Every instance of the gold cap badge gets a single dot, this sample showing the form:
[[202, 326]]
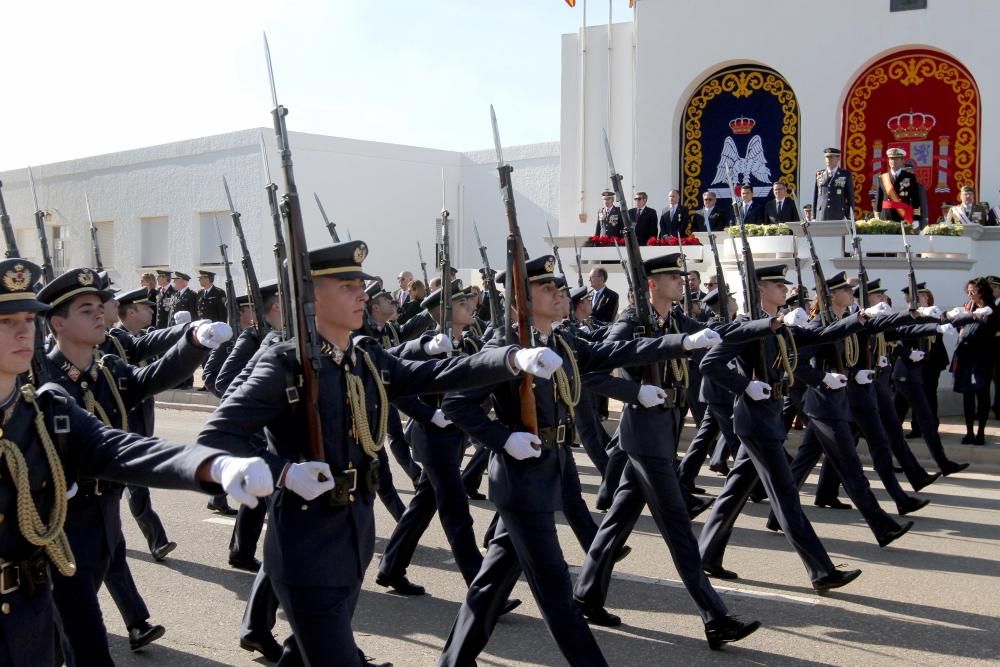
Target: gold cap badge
[[17, 279]]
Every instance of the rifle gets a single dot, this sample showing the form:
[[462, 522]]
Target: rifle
[[330, 226], [300, 282], [687, 285], [720, 278], [445, 312], [8, 230], [519, 299], [824, 303], [253, 286], [911, 277], [47, 273], [423, 265], [280, 255], [579, 266], [491, 286], [555, 249], [863, 278], [93, 236], [232, 307], [637, 274], [628, 275], [800, 289]]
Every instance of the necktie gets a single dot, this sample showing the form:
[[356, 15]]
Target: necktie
[[779, 206]]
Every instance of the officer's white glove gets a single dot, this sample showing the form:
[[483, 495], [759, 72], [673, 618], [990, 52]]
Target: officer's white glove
[[213, 334], [931, 311], [182, 317], [883, 361], [198, 323], [864, 376], [955, 312], [796, 318], [304, 479], [520, 446], [877, 310], [916, 355], [947, 329], [439, 344], [835, 380], [982, 313], [651, 396], [538, 361], [758, 390], [71, 491], [440, 420], [701, 339], [245, 479]]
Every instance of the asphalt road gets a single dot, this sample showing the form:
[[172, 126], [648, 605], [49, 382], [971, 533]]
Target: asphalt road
[[931, 598]]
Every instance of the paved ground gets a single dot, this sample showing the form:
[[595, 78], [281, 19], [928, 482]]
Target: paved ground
[[932, 598]]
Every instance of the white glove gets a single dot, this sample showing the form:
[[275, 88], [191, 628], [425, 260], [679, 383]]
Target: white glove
[[213, 334], [947, 329], [864, 376], [931, 311], [198, 323], [439, 344], [835, 380], [304, 479], [796, 318], [877, 310], [182, 317], [539, 361], [955, 312], [245, 479], [520, 446], [440, 420], [651, 396], [701, 339], [916, 355], [883, 361], [758, 390], [71, 491], [982, 313]]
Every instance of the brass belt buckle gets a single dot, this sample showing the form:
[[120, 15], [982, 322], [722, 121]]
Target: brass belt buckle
[[9, 571], [560, 434], [353, 474]]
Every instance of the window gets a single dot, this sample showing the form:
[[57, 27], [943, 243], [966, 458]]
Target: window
[[906, 5], [212, 225], [155, 241]]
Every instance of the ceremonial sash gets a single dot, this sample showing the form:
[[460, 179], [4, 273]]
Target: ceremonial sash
[[959, 212], [893, 201]]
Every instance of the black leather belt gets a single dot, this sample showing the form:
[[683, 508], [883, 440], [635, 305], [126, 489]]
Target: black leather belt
[[345, 483], [28, 574], [552, 436], [89, 487], [779, 390]]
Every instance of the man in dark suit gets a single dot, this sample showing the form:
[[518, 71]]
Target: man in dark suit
[[609, 217], [185, 301], [605, 299], [675, 219], [164, 299], [781, 208], [833, 195], [402, 295], [899, 196], [753, 212], [211, 299], [644, 218], [717, 217]]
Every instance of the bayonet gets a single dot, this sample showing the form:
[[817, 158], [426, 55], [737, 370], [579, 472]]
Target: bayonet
[[47, 271], [93, 235], [330, 226], [579, 265]]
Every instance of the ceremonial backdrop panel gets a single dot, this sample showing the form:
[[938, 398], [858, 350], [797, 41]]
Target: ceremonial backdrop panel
[[746, 117], [924, 102]]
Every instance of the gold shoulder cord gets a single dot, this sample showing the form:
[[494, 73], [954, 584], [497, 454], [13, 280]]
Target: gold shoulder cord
[[372, 444], [789, 362], [51, 537], [118, 346], [852, 350], [881, 348], [567, 392], [679, 366], [91, 405]]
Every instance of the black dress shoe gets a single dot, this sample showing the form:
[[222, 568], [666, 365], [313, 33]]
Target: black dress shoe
[[893, 535], [835, 504], [598, 615], [897, 469], [980, 440], [475, 494], [951, 468], [728, 629], [926, 481], [694, 490], [702, 505], [368, 661], [836, 579], [757, 498], [623, 553], [913, 435], [265, 645], [509, 606], [911, 505], [249, 564], [144, 634], [719, 572], [160, 552], [721, 469], [221, 508], [400, 584], [968, 439]]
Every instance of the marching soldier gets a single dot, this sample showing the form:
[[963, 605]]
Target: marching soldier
[[211, 303], [833, 195], [164, 298], [609, 217], [899, 193]]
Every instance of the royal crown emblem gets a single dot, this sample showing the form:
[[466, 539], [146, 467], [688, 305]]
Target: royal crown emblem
[[85, 278], [912, 125], [17, 279], [550, 265], [360, 253], [742, 125]]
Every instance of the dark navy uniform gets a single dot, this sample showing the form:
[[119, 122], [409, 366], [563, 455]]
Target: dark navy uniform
[[164, 303], [908, 196], [833, 194], [609, 222], [211, 302]]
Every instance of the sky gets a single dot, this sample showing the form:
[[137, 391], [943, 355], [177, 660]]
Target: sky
[[88, 78]]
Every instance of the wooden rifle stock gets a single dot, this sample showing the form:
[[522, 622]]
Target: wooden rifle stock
[[253, 286], [720, 279], [280, 254]]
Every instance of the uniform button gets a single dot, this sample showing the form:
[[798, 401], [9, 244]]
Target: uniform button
[[305, 507], [2, 517], [45, 483], [5, 608]]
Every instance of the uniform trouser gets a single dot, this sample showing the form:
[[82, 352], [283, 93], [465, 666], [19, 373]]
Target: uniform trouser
[[472, 475], [387, 490], [727, 446], [929, 387], [439, 489], [123, 590], [398, 445], [523, 541], [703, 441], [914, 394], [833, 437], [246, 532], [648, 480], [894, 432], [26, 636], [593, 435], [574, 508], [141, 506], [262, 608], [617, 458], [320, 617], [764, 459], [84, 637]]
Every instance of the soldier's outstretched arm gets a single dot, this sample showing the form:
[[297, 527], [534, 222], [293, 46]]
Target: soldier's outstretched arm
[[178, 364], [155, 342], [717, 366]]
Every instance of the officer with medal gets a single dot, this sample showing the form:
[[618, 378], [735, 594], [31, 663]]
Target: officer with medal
[[833, 194], [609, 217], [899, 194], [321, 531], [164, 298], [49, 442], [211, 299]]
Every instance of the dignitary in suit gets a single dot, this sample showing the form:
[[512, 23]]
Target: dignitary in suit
[[609, 217], [753, 211], [211, 301], [713, 217], [833, 194], [605, 299], [402, 295], [164, 298], [185, 299], [899, 194], [968, 212], [675, 219], [782, 208], [644, 218]]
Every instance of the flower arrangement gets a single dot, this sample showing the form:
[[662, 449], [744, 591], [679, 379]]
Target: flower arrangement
[[878, 226], [672, 241], [604, 241], [942, 230], [780, 229]]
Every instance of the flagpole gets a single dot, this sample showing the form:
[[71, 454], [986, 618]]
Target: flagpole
[[582, 215], [609, 126], [635, 65]]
